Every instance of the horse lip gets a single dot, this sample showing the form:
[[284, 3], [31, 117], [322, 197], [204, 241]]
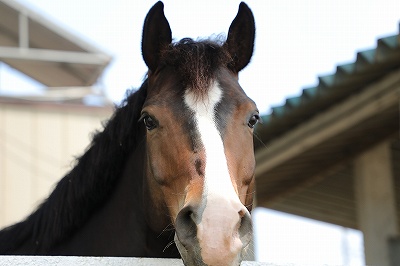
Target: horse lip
[[190, 260]]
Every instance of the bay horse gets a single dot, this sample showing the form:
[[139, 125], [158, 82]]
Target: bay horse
[[172, 172]]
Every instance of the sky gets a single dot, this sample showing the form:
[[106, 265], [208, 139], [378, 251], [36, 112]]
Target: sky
[[296, 41]]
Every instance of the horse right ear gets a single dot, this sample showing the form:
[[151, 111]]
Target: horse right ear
[[156, 35]]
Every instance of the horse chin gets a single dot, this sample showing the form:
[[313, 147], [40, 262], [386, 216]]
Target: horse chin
[[189, 258], [193, 257]]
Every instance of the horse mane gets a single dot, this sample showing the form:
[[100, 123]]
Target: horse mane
[[86, 187], [196, 61]]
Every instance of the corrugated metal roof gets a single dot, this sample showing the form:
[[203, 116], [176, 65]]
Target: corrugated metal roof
[[369, 66], [305, 166]]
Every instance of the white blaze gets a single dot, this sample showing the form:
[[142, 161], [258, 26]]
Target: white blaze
[[217, 231], [217, 179]]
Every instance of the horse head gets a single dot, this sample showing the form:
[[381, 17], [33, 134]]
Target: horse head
[[199, 139]]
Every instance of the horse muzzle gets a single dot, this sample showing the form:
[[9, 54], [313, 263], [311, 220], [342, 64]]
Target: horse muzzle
[[215, 234]]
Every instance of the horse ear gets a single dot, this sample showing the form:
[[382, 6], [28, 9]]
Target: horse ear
[[240, 41], [156, 35]]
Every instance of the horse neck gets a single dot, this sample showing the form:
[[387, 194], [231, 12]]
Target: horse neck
[[117, 218], [118, 227], [144, 219], [124, 219], [160, 231]]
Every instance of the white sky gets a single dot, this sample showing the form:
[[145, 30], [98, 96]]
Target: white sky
[[295, 42]]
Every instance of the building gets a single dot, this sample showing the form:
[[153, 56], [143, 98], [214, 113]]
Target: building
[[333, 153], [39, 134]]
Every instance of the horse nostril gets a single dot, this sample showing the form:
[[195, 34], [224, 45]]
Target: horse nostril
[[185, 226]]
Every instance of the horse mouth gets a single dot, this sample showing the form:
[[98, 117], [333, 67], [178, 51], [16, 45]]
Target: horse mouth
[[191, 256]]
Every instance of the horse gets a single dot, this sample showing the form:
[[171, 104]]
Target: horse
[[171, 174]]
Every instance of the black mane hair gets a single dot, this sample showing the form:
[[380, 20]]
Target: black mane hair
[[196, 61], [85, 188]]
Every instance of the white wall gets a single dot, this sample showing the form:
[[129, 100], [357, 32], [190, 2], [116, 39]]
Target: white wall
[[38, 144], [97, 261]]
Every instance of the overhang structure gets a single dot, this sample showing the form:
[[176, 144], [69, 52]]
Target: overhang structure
[[46, 52], [333, 153]]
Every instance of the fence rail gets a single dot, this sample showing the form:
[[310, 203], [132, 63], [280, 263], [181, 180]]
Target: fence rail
[[97, 261]]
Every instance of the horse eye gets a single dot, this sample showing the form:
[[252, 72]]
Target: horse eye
[[254, 119], [149, 122]]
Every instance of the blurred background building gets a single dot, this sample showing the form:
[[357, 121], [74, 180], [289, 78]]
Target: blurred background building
[[333, 153], [41, 133]]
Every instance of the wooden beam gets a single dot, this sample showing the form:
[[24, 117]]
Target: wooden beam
[[23, 28], [45, 55], [376, 206]]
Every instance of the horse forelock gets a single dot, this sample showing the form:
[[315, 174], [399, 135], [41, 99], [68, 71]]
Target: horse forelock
[[196, 62]]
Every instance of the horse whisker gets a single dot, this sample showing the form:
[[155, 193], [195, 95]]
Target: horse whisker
[[259, 139], [169, 227], [168, 245], [249, 205]]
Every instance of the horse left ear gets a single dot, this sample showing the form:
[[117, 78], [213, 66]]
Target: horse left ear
[[156, 35], [240, 41]]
